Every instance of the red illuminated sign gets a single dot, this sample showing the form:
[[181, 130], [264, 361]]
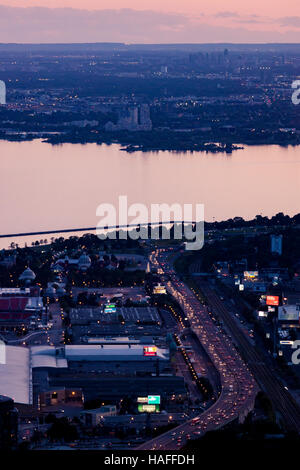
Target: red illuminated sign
[[273, 300], [150, 350]]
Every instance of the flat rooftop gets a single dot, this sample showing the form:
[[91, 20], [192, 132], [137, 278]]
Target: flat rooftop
[[111, 352], [47, 357], [131, 315], [15, 374], [140, 314]]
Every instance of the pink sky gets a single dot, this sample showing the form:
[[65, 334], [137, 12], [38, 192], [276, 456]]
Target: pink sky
[[147, 21], [267, 8], [259, 7]]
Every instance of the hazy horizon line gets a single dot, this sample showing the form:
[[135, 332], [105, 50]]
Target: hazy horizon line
[[118, 43]]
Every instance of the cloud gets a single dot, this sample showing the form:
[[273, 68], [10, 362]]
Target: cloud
[[46, 25], [38, 24], [227, 14], [290, 21], [248, 21], [243, 19]]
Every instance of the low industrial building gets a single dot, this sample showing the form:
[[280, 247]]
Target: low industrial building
[[94, 417], [112, 388], [48, 375]]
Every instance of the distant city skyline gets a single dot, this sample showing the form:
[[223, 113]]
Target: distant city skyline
[[148, 21]]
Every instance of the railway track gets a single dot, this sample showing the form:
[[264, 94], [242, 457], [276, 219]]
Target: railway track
[[280, 397]]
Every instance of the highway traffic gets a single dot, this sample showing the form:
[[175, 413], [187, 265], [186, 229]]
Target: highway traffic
[[239, 388]]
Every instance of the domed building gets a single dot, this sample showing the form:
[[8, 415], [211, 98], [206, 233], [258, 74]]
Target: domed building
[[84, 262], [60, 291], [50, 292], [27, 276]]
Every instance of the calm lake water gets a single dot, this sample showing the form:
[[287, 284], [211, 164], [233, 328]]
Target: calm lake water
[[54, 187]]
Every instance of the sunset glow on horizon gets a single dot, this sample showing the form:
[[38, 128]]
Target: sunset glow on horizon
[[268, 9], [149, 21]]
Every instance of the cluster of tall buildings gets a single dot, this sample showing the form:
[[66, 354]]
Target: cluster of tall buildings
[[132, 118]]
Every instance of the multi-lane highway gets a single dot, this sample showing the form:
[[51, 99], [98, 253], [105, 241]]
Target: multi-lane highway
[[238, 385]]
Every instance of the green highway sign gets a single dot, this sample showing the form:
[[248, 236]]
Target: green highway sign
[[154, 399]]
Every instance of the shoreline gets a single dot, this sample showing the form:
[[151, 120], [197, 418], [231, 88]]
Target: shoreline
[[142, 144]]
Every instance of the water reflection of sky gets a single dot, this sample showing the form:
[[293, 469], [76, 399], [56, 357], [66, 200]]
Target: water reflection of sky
[[49, 187]]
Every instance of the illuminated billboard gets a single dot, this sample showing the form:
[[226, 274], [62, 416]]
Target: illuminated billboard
[[142, 400], [159, 289], [272, 300], [251, 275], [261, 313], [110, 308], [150, 350], [148, 408], [149, 400], [154, 399], [288, 313]]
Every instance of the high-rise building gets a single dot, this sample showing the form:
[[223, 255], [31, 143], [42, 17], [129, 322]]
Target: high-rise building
[[132, 118], [276, 244], [2, 92]]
